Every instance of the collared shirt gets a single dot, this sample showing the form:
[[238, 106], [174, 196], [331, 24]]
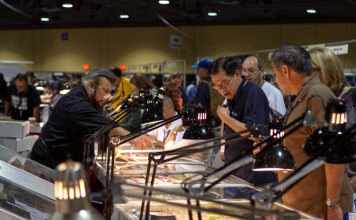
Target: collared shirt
[[275, 98], [312, 188], [251, 108], [73, 117], [163, 133]]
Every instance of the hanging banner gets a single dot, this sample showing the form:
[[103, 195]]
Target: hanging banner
[[176, 42], [340, 49], [172, 65]]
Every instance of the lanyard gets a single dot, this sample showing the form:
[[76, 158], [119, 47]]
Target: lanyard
[[291, 104]]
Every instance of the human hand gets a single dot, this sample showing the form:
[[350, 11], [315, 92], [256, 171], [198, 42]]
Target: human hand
[[125, 158], [334, 213], [141, 142], [353, 184], [223, 111], [222, 156], [258, 149], [178, 128]]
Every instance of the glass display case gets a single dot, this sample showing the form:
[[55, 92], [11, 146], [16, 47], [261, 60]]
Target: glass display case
[[26, 187], [132, 211]]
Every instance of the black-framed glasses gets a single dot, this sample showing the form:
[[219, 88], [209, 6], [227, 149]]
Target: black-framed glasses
[[106, 94], [223, 85]]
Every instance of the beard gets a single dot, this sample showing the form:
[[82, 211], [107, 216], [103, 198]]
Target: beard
[[95, 104]]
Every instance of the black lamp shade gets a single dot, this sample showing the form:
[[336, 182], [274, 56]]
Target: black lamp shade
[[321, 137], [278, 158], [151, 115], [336, 115], [197, 132], [199, 129]]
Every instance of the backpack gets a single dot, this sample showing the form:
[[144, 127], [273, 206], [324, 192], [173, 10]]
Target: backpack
[[216, 99]]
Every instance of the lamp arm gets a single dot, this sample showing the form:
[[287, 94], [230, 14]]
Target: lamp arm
[[116, 189], [337, 144], [227, 170], [188, 152]]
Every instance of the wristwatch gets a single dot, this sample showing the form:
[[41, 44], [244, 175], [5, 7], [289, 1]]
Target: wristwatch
[[332, 203], [154, 143]]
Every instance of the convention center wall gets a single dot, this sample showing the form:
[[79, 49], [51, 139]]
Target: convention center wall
[[107, 47]]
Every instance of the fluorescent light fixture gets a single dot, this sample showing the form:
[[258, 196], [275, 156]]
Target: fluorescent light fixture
[[311, 10], [124, 16], [212, 14], [40, 88], [164, 2], [44, 19], [67, 5], [65, 91]]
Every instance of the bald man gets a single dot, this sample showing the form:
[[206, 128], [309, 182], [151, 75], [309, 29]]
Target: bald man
[[252, 68]]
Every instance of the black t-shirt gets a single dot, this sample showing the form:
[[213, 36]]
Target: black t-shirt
[[22, 104], [73, 117]]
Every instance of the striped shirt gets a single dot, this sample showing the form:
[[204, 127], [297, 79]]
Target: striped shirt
[[173, 92]]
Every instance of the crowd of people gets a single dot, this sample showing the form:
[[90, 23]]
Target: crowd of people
[[237, 97]]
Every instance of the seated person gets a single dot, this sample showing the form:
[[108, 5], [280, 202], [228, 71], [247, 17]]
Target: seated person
[[161, 134], [176, 140]]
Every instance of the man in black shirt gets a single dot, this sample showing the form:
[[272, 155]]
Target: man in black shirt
[[23, 99], [75, 115]]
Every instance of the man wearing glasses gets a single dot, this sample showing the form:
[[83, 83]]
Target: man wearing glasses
[[252, 68], [247, 107], [77, 114]]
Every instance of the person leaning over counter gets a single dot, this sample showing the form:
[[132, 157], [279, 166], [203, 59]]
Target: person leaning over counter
[[249, 107], [77, 114], [292, 65]]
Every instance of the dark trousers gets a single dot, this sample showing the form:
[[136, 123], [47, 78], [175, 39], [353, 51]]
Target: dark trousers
[[41, 154]]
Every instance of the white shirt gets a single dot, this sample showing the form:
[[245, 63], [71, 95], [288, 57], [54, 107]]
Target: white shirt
[[203, 156], [275, 98], [162, 133]]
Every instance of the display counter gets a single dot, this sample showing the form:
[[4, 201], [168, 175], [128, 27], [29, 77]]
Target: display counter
[[26, 187], [132, 211]]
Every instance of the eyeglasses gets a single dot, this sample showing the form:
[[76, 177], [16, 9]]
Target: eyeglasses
[[223, 85], [106, 94], [248, 71]]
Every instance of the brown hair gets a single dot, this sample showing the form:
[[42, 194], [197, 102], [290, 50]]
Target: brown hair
[[142, 82], [328, 67]]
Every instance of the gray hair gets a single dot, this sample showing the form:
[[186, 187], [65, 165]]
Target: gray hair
[[95, 74], [259, 62], [168, 101], [295, 57]]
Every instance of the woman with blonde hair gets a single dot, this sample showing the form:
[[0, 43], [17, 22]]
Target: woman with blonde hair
[[328, 67], [140, 81]]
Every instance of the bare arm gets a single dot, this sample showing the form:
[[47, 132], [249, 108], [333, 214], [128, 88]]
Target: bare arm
[[36, 113], [7, 107]]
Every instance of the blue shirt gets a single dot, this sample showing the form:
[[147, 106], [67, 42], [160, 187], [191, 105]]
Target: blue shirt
[[184, 95], [251, 108]]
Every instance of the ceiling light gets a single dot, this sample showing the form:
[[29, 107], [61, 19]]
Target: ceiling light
[[212, 13], [311, 10], [124, 16], [67, 5], [164, 2], [44, 18]]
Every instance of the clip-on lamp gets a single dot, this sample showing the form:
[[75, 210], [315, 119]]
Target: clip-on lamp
[[327, 144]]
